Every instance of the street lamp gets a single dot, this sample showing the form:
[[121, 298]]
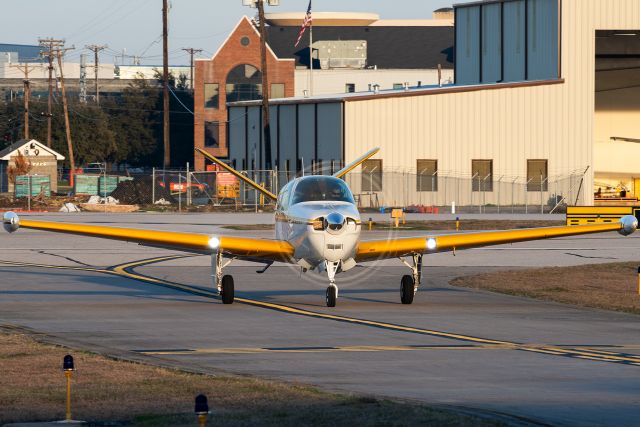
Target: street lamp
[[259, 4]]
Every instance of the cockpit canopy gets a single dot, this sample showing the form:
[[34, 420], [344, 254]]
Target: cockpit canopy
[[321, 189]]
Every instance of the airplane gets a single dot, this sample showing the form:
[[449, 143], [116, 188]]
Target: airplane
[[317, 227]]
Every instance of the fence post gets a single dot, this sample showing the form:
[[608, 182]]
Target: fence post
[[188, 185], [153, 186], [541, 202], [179, 191]]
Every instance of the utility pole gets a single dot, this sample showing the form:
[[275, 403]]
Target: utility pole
[[191, 51], [27, 94], [96, 48], [165, 86], [59, 53], [265, 87], [49, 44]]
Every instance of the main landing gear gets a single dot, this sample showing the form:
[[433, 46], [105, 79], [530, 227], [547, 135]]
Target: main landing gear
[[332, 290], [409, 283], [224, 283]]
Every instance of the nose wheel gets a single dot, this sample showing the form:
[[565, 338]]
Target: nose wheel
[[332, 296]]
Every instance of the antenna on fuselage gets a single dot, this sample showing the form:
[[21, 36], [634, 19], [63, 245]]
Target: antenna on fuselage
[[302, 165]]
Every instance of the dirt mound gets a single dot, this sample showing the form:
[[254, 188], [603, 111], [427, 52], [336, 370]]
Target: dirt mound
[[139, 191]]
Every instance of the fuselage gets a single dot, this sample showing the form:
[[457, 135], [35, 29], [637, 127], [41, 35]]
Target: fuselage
[[317, 215]]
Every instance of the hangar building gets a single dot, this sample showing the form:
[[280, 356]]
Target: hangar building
[[544, 89]]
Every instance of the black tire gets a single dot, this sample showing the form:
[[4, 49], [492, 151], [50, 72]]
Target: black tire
[[227, 292], [331, 296], [407, 289]]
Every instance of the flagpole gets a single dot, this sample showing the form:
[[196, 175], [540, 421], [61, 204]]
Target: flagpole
[[311, 58]]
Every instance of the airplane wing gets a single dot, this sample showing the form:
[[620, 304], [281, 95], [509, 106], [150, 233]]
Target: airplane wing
[[394, 248], [239, 247], [238, 175]]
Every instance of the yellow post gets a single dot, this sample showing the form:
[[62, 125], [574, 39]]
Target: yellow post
[[638, 280], [202, 420], [68, 375], [261, 195], [457, 223], [370, 224], [404, 218]]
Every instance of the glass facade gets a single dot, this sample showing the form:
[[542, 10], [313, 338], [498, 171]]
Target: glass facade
[[507, 41]]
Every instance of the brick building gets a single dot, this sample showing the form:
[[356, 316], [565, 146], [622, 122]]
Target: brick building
[[233, 74]]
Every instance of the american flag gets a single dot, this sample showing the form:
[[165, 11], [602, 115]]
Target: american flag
[[308, 21]]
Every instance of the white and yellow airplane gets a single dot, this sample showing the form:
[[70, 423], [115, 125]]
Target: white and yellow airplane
[[318, 228]]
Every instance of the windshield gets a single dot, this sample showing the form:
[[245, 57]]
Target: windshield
[[322, 188]]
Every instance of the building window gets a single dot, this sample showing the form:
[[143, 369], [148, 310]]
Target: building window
[[482, 173], [427, 175], [372, 175], [277, 90], [398, 86], [212, 134], [350, 87], [537, 175], [245, 41], [211, 95], [244, 83]]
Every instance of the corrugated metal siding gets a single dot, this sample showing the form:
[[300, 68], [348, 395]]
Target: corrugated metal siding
[[553, 122]]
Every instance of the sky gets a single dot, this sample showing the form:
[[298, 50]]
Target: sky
[[134, 27]]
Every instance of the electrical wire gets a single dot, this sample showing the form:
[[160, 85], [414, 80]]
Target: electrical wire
[[178, 99]]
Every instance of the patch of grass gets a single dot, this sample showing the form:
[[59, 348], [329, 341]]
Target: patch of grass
[[610, 286], [106, 390]]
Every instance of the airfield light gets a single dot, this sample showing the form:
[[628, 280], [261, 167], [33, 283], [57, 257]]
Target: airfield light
[[214, 243], [202, 409], [431, 243], [68, 368]]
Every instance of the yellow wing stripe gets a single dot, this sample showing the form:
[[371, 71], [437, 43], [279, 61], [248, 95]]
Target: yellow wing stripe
[[351, 166], [238, 174], [399, 247], [257, 248]]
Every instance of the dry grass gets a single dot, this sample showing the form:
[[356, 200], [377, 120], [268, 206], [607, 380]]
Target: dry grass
[[141, 395], [607, 286]]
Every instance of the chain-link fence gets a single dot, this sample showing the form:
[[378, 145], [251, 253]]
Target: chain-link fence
[[375, 190], [466, 194]]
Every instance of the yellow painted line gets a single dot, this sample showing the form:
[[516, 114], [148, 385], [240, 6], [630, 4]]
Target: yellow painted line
[[340, 349], [124, 270]]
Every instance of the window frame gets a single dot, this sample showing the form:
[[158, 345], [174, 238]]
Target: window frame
[[532, 184], [372, 182], [426, 182], [483, 185]]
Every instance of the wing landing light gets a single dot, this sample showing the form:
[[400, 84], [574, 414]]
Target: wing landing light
[[238, 174]]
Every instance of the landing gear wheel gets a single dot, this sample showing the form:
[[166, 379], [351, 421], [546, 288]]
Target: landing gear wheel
[[331, 296], [407, 289], [227, 292]]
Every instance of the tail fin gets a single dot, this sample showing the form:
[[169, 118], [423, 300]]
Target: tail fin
[[238, 174], [345, 170]]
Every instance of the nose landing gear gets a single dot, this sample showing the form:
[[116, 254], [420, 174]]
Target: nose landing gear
[[410, 283], [332, 290]]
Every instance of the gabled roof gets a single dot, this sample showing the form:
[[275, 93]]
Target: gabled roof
[[387, 47], [7, 152]]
